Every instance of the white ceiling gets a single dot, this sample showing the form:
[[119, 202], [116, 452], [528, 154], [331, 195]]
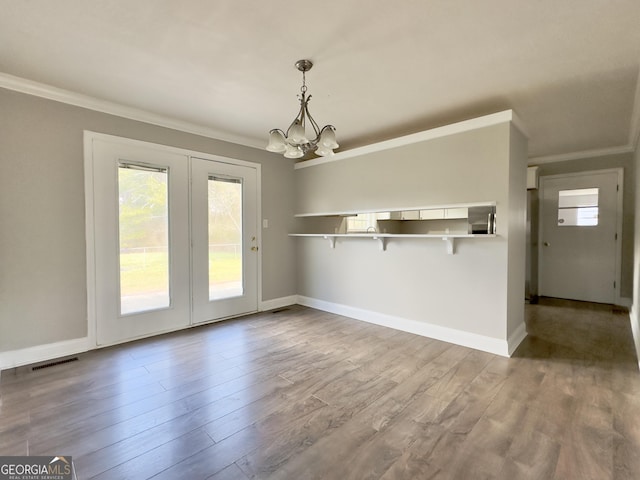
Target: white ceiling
[[382, 69]]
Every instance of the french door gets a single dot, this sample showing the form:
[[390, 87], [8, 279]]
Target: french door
[[224, 238], [174, 239]]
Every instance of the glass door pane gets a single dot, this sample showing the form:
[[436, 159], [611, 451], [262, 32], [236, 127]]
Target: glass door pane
[[225, 237], [144, 239], [578, 207]]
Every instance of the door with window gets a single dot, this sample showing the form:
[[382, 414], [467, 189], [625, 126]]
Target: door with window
[[579, 238], [224, 238], [175, 239]]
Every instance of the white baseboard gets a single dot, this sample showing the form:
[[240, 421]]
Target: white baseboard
[[635, 330], [516, 338], [278, 303], [459, 337], [39, 353]]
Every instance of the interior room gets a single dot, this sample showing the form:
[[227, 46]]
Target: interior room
[[337, 240]]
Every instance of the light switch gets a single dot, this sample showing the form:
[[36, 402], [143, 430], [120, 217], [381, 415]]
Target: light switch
[[265, 223]]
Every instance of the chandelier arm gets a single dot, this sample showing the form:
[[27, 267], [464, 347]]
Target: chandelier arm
[[303, 109], [299, 117], [314, 125]]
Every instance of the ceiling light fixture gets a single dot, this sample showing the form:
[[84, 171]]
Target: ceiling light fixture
[[295, 143]]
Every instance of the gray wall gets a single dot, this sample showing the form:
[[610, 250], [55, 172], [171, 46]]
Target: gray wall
[[517, 187], [635, 311], [625, 161], [434, 172], [415, 279], [43, 295]]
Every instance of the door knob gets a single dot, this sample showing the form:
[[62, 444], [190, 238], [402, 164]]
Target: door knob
[[547, 244]]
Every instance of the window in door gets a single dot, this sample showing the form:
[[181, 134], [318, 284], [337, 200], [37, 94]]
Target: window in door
[[225, 237], [578, 207], [143, 237]]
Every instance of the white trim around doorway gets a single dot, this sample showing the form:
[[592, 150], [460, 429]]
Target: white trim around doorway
[[89, 138]]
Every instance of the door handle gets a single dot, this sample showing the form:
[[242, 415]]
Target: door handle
[[546, 244]]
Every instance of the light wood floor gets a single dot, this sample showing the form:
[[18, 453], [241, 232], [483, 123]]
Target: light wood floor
[[303, 394]]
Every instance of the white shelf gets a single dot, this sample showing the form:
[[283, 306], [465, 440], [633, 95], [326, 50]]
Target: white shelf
[[448, 238]]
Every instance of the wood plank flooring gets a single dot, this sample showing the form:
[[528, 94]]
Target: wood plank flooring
[[303, 394]]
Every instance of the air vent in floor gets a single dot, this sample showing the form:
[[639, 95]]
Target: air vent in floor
[[280, 310], [53, 364]]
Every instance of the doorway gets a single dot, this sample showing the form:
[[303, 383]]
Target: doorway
[[580, 236], [173, 238]]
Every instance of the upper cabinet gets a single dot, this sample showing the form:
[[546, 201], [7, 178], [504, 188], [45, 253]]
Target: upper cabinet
[[405, 215], [442, 214]]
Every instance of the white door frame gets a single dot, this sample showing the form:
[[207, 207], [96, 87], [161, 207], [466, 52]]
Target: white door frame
[[89, 138], [619, 197]]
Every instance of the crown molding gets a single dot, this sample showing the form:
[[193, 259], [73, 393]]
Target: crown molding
[[598, 152], [459, 127], [30, 87], [22, 85]]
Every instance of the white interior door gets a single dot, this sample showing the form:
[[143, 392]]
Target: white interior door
[[224, 231], [579, 236], [175, 239], [141, 232]]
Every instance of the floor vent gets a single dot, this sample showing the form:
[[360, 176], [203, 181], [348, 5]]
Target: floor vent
[[619, 309], [281, 310], [53, 364]]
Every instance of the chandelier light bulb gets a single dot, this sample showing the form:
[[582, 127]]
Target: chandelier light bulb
[[324, 151], [296, 142], [296, 134], [328, 138], [291, 151], [277, 142]]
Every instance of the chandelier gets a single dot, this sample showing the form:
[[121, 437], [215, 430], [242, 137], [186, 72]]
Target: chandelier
[[295, 143]]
